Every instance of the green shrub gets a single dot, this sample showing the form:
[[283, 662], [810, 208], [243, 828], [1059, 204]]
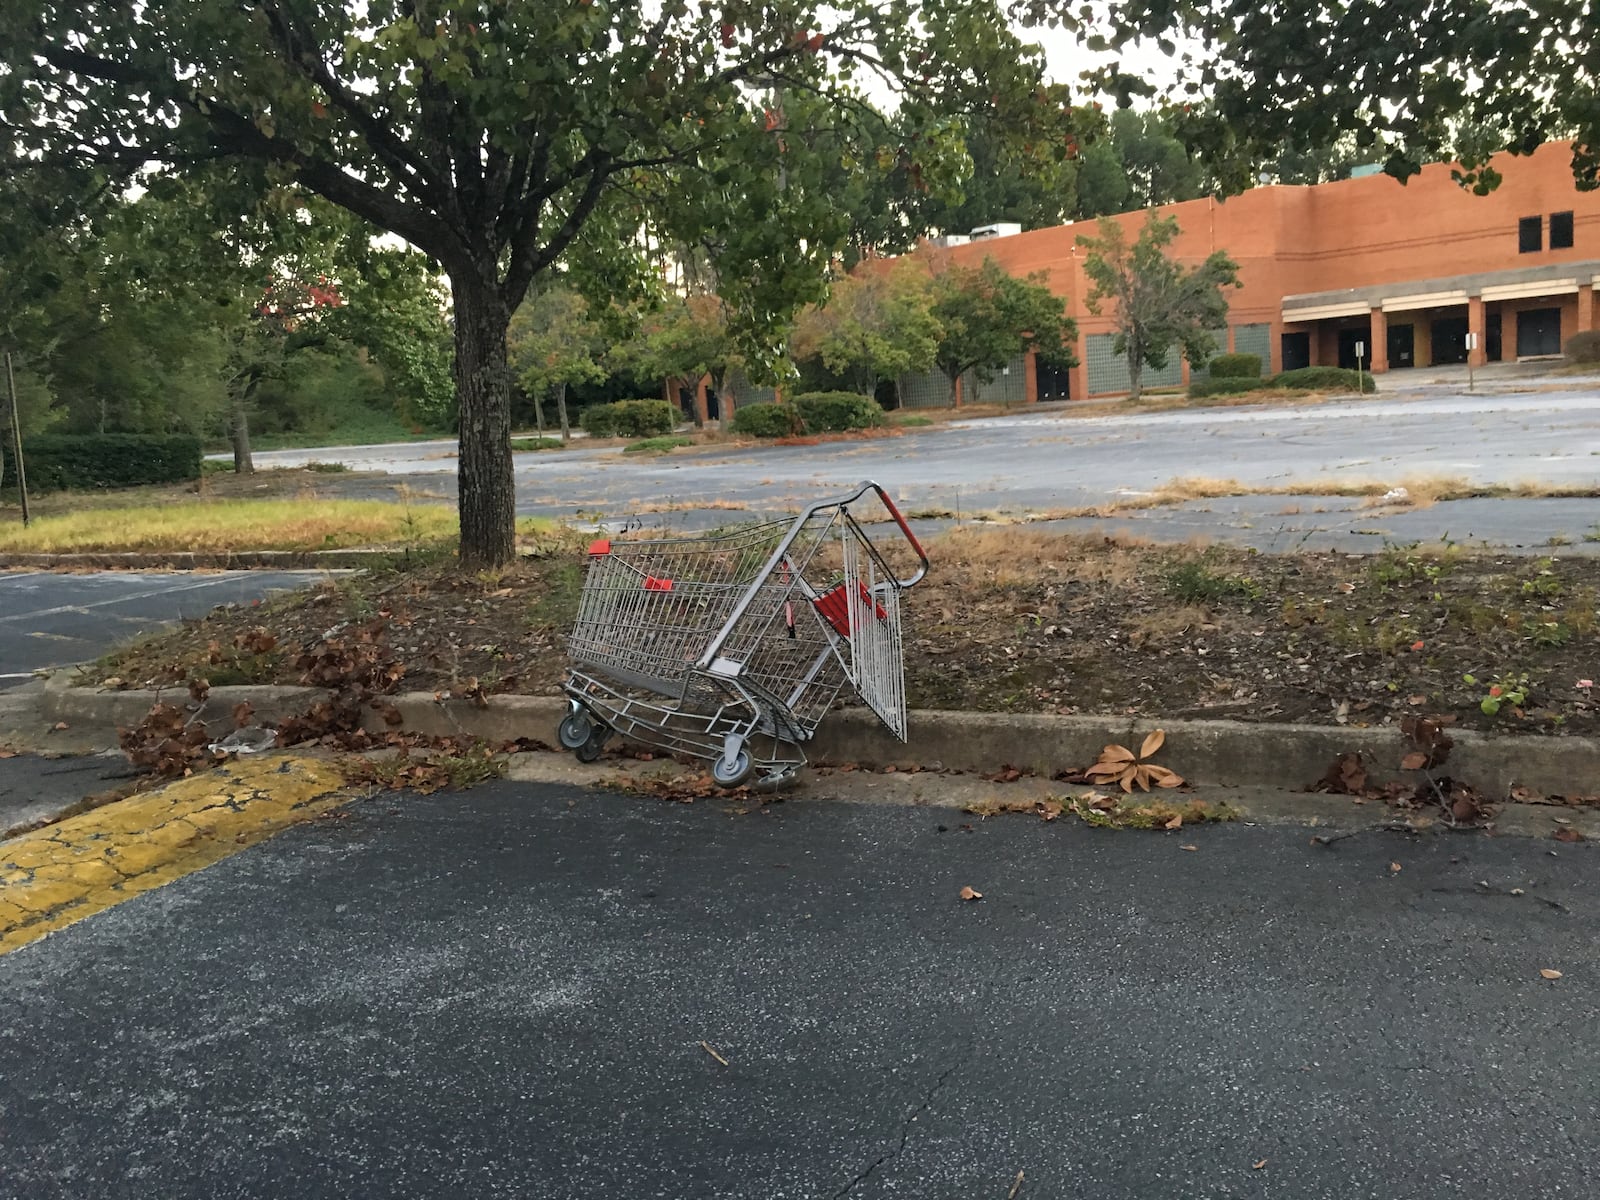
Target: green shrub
[[1584, 347], [768, 420], [658, 444], [911, 421], [1325, 379], [837, 412], [106, 460], [599, 420], [629, 419], [1200, 388], [1235, 366]]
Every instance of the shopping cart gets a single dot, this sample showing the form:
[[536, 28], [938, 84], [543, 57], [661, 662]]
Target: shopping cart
[[731, 646]]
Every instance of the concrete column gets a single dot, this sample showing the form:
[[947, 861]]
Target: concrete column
[[1476, 325], [1030, 377], [1585, 307], [1378, 345]]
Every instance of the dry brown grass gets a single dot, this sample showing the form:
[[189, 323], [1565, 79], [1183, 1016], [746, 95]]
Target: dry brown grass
[[1168, 625]]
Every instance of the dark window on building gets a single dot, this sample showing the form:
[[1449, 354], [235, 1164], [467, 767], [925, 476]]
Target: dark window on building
[[1560, 231], [1530, 235]]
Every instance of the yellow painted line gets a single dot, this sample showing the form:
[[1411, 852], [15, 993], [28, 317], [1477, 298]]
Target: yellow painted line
[[57, 876]]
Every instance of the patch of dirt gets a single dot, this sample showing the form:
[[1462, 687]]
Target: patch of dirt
[[1015, 620]]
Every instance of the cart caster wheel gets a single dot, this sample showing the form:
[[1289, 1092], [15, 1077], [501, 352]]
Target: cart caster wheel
[[731, 774], [593, 746], [575, 729]]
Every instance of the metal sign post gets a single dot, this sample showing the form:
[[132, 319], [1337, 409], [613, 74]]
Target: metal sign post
[[1361, 383], [16, 439], [1472, 344]]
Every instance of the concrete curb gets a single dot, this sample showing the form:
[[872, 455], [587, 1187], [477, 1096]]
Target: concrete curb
[[1208, 753], [279, 560]]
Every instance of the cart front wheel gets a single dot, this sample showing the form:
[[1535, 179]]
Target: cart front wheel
[[593, 745], [730, 773], [575, 730]]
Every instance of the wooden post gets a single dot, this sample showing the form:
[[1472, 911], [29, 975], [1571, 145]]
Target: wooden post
[[16, 439]]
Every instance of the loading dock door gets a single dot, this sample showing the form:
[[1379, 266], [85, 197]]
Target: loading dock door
[[1402, 346], [1538, 332], [1053, 380], [1296, 351], [1449, 340]]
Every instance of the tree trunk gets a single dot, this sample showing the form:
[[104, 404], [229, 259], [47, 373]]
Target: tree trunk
[[727, 403], [239, 434], [955, 400], [486, 489], [1135, 373], [538, 414], [561, 411]]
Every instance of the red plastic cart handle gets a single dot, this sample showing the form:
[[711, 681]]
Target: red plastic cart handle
[[922, 555]]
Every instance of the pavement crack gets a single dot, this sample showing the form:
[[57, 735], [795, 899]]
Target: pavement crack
[[905, 1134]]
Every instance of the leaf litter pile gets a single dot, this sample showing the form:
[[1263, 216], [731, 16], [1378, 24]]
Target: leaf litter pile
[[1019, 620]]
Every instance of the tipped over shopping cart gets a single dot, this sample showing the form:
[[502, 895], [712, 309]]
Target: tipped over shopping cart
[[731, 646]]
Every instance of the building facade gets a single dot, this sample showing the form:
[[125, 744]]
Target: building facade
[[1392, 275]]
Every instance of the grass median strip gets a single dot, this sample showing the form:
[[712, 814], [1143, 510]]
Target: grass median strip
[[238, 526], [57, 876]]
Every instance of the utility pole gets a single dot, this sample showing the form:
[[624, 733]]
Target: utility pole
[[16, 439]]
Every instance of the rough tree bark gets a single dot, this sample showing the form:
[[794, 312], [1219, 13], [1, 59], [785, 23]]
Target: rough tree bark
[[487, 494], [561, 411], [239, 435]]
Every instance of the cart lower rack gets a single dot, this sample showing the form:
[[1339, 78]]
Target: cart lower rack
[[732, 646]]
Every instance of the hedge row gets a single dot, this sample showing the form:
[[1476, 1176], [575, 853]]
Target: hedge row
[[105, 460], [1584, 347], [1326, 379], [809, 412], [1201, 388], [1306, 379], [629, 419], [1235, 366]]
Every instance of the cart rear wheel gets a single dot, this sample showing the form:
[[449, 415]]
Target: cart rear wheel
[[732, 773], [594, 746], [575, 729]]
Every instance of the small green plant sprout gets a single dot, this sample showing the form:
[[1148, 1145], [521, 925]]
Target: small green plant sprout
[[1545, 584], [1500, 691]]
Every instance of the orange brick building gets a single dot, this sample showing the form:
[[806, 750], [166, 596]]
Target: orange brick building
[[1404, 272]]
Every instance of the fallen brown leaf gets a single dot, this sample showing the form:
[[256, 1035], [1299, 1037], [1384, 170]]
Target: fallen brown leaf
[[1548, 973], [968, 893], [1188, 847], [8, 753], [706, 1046], [1259, 1165], [1175, 823], [1568, 834], [1394, 867]]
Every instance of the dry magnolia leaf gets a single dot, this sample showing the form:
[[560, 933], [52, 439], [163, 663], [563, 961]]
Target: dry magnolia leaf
[[968, 893], [1394, 867], [1152, 743], [1259, 1165], [1188, 847], [1550, 974], [1414, 761], [1175, 823]]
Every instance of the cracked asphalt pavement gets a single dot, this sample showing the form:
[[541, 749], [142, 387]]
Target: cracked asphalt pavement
[[1037, 461], [516, 991], [51, 620]]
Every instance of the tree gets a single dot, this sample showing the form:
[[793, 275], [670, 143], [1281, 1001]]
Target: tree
[[987, 317], [502, 137], [1407, 79], [1159, 302], [686, 338], [554, 343], [877, 324]]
